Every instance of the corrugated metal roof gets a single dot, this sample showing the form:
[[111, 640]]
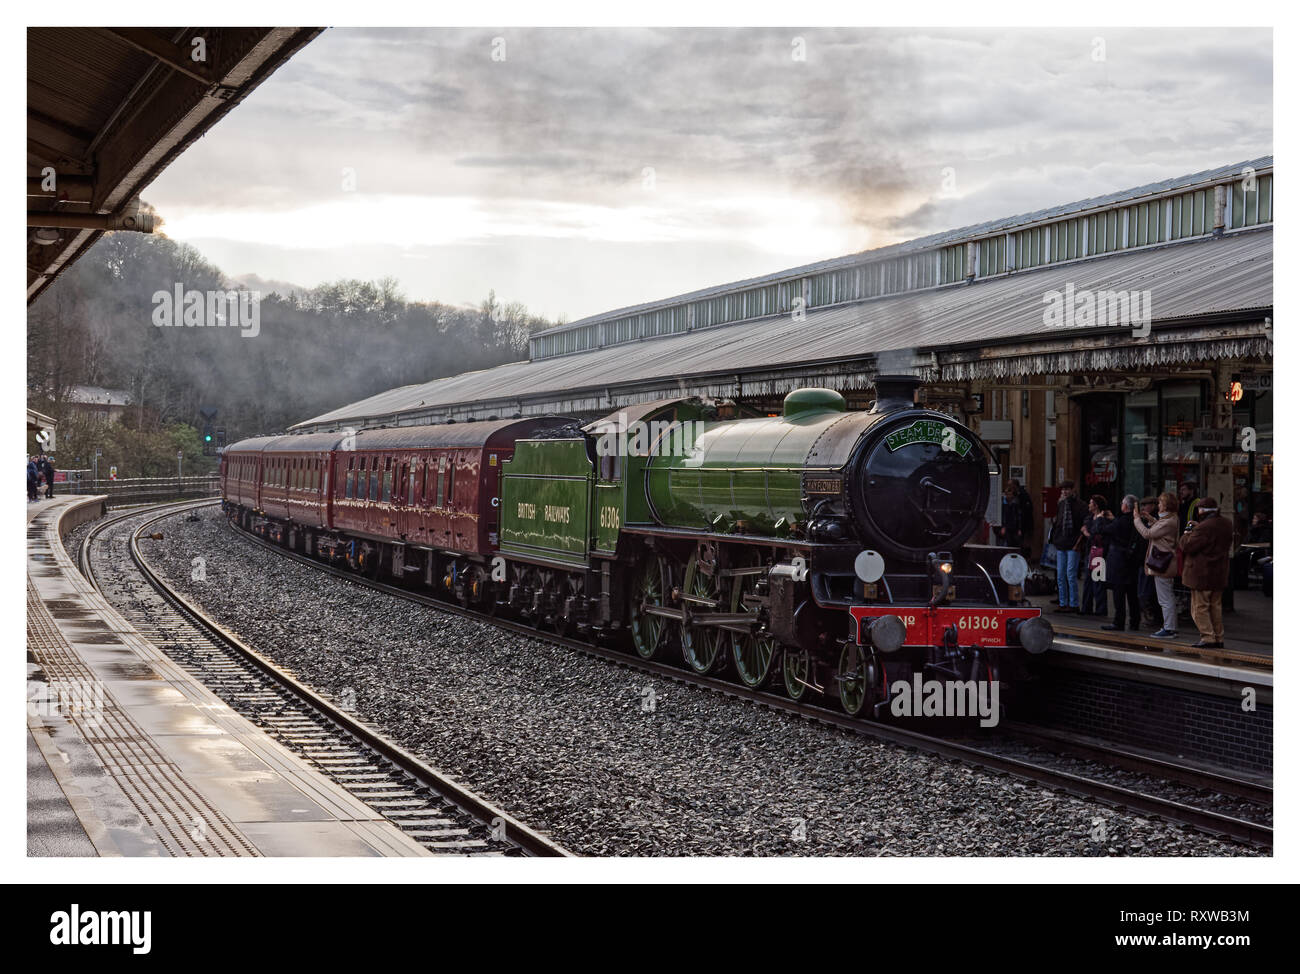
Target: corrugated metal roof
[[941, 239], [1198, 278], [406, 437], [453, 434]]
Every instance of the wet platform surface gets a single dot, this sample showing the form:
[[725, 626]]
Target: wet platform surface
[[129, 755], [1247, 654]]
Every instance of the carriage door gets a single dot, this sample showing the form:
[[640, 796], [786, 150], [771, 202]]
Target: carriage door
[[492, 492]]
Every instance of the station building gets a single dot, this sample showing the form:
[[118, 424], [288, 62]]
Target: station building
[[1123, 342]]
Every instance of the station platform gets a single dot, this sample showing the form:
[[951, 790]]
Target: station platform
[[1247, 636], [129, 755]]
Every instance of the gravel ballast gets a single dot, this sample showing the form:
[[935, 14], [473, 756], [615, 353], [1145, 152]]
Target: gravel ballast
[[609, 761]]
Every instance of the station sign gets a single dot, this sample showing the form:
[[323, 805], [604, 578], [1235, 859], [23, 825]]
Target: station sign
[[996, 430], [1212, 440], [1257, 382]]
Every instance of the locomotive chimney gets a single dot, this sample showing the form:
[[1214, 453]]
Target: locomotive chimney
[[895, 392]]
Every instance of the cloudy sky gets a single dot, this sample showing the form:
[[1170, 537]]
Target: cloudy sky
[[579, 171]]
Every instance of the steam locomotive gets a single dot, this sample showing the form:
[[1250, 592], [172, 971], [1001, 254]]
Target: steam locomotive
[[823, 549]]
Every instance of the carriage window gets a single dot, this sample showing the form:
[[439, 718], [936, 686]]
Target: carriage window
[[411, 497], [374, 479], [451, 481], [442, 467], [350, 483], [388, 479]]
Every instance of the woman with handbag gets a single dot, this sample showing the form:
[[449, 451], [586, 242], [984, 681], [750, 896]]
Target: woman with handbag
[[1161, 533]]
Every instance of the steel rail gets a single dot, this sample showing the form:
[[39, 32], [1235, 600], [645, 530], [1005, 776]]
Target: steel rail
[[514, 831], [1077, 745]]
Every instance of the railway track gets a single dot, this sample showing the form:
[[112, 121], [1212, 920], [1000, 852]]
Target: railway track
[[1205, 820], [437, 812], [1063, 742]]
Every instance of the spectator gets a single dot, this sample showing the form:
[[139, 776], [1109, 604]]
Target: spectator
[[1259, 532], [1011, 532], [33, 480], [1147, 584], [47, 471], [1066, 536], [1205, 570], [1162, 535], [1186, 505], [1123, 564], [1261, 529], [1026, 511], [1093, 600]]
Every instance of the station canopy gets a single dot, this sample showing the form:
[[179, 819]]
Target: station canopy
[[108, 108], [1209, 298]]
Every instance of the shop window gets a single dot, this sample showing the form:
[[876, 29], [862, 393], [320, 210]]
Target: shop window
[[1141, 443], [1180, 406]]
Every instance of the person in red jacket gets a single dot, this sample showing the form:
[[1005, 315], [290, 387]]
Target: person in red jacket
[[1206, 550]]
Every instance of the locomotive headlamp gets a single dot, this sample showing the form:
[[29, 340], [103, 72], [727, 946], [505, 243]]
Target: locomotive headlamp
[[869, 566], [940, 565], [1013, 568]]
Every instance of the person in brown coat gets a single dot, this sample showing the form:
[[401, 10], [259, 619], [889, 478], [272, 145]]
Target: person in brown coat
[[1206, 549]]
